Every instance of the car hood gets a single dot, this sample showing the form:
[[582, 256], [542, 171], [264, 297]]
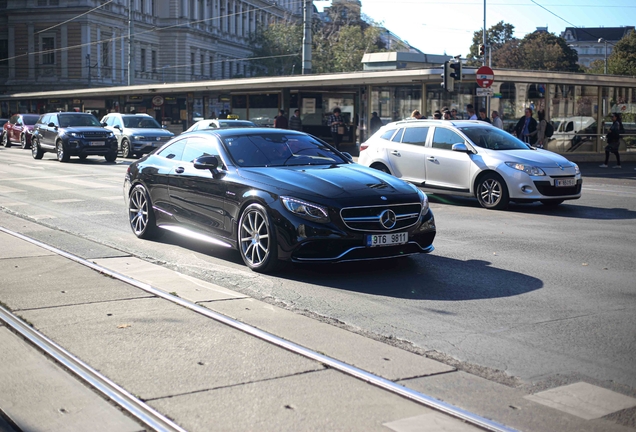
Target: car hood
[[539, 158], [334, 181], [147, 131], [84, 129]]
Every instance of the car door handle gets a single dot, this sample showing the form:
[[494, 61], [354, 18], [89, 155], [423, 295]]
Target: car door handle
[[179, 170], [395, 152], [431, 158]]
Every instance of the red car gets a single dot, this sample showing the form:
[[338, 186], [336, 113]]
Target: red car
[[19, 129]]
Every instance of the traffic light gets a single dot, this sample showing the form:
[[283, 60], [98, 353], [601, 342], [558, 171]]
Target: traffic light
[[448, 82], [456, 70], [482, 50]]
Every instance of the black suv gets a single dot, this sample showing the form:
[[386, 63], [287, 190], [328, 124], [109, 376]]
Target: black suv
[[72, 134]]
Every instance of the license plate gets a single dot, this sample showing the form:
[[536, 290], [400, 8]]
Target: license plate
[[96, 143], [374, 240], [565, 182]]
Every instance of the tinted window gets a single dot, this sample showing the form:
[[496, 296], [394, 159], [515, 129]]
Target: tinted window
[[197, 147], [493, 138], [173, 151], [13, 119], [415, 135], [145, 122], [30, 119], [70, 120], [235, 124], [445, 138], [569, 127], [279, 149], [388, 134], [398, 136]]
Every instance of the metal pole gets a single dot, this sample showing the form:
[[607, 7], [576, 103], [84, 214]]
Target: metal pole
[[605, 57], [131, 61], [484, 35], [308, 7]]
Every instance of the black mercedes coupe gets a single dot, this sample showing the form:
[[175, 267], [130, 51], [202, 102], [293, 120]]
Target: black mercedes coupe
[[276, 195]]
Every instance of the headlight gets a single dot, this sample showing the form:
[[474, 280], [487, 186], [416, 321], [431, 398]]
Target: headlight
[[138, 137], [576, 169], [309, 211], [528, 169], [110, 134], [75, 134], [424, 201]]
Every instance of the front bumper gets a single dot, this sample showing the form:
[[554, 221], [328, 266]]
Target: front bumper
[[84, 146], [311, 243], [146, 146]]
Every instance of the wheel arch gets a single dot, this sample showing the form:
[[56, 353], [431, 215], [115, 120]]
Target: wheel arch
[[481, 175]]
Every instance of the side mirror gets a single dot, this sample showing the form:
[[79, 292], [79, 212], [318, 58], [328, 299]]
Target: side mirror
[[207, 163], [461, 147], [117, 127], [51, 124], [348, 156]]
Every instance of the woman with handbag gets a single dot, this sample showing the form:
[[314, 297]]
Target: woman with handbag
[[613, 140], [337, 125]]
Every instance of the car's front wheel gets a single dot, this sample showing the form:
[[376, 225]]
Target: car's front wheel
[[23, 141], [492, 192], [257, 240], [381, 167], [62, 154], [111, 157], [5, 140], [36, 150], [125, 149], [140, 214]]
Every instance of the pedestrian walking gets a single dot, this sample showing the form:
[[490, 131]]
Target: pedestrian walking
[[483, 116], [280, 121], [447, 115], [471, 112], [543, 124], [496, 120], [526, 128], [295, 123], [416, 114], [614, 140], [454, 114], [337, 125]]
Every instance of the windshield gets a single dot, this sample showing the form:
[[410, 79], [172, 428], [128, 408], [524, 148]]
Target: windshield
[[279, 149], [30, 119], [235, 124], [70, 120], [143, 122], [492, 138]]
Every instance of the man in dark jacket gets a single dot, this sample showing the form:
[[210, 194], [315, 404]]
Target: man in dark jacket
[[375, 123], [526, 128], [295, 123], [280, 121]]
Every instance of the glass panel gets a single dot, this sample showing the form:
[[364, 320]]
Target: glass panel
[[415, 135], [396, 103], [621, 100], [445, 138], [438, 99], [573, 111]]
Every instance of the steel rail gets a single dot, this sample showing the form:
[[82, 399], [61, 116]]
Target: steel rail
[[370, 378]]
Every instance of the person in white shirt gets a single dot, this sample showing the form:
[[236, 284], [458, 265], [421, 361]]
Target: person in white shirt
[[471, 112], [496, 120]]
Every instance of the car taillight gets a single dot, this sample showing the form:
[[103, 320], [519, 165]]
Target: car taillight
[[363, 147]]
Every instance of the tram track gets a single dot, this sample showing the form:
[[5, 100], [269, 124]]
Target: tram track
[[155, 420]]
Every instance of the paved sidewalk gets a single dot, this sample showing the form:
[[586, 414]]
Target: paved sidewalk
[[207, 376]]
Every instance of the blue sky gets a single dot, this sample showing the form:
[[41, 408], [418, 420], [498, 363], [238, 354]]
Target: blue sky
[[438, 27]]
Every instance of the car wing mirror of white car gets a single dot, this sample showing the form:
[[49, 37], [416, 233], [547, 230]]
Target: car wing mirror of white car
[[461, 147]]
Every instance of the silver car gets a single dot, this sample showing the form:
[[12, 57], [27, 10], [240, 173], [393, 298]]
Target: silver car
[[471, 158], [137, 134]]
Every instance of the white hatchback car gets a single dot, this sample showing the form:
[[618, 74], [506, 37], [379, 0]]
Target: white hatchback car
[[471, 158]]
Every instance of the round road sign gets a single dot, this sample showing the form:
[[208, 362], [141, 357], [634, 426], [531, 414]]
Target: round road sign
[[485, 76]]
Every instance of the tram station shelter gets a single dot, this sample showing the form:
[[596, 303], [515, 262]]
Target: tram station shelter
[[579, 105]]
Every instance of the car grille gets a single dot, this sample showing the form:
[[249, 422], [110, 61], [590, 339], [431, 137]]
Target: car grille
[[395, 217], [95, 134], [545, 188]]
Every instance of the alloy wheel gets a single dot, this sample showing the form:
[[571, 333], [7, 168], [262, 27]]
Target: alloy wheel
[[254, 237], [23, 142], [138, 210], [490, 192]]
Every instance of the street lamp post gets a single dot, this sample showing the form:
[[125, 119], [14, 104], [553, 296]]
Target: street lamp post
[[601, 40]]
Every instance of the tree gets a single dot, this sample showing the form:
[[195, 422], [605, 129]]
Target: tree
[[496, 36], [622, 61], [277, 48]]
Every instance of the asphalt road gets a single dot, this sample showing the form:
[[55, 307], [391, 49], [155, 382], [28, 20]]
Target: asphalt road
[[530, 296]]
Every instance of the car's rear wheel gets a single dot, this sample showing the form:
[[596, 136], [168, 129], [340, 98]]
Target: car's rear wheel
[[492, 192], [257, 240], [552, 202], [5, 140], [125, 149], [62, 154], [36, 150], [381, 167], [140, 214], [23, 141]]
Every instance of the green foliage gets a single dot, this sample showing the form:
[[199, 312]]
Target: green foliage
[[622, 61], [277, 49], [496, 36]]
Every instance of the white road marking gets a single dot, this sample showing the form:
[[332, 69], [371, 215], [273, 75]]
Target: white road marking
[[64, 201], [97, 213], [7, 189], [95, 184], [44, 216], [44, 185]]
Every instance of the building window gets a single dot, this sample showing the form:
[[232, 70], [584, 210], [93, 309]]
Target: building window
[[105, 54], [192, 63], [211, 66], [47, 48], [202, 65], [153, 60], [143, 60], [142, 6], [48, 2], [4, 52]]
